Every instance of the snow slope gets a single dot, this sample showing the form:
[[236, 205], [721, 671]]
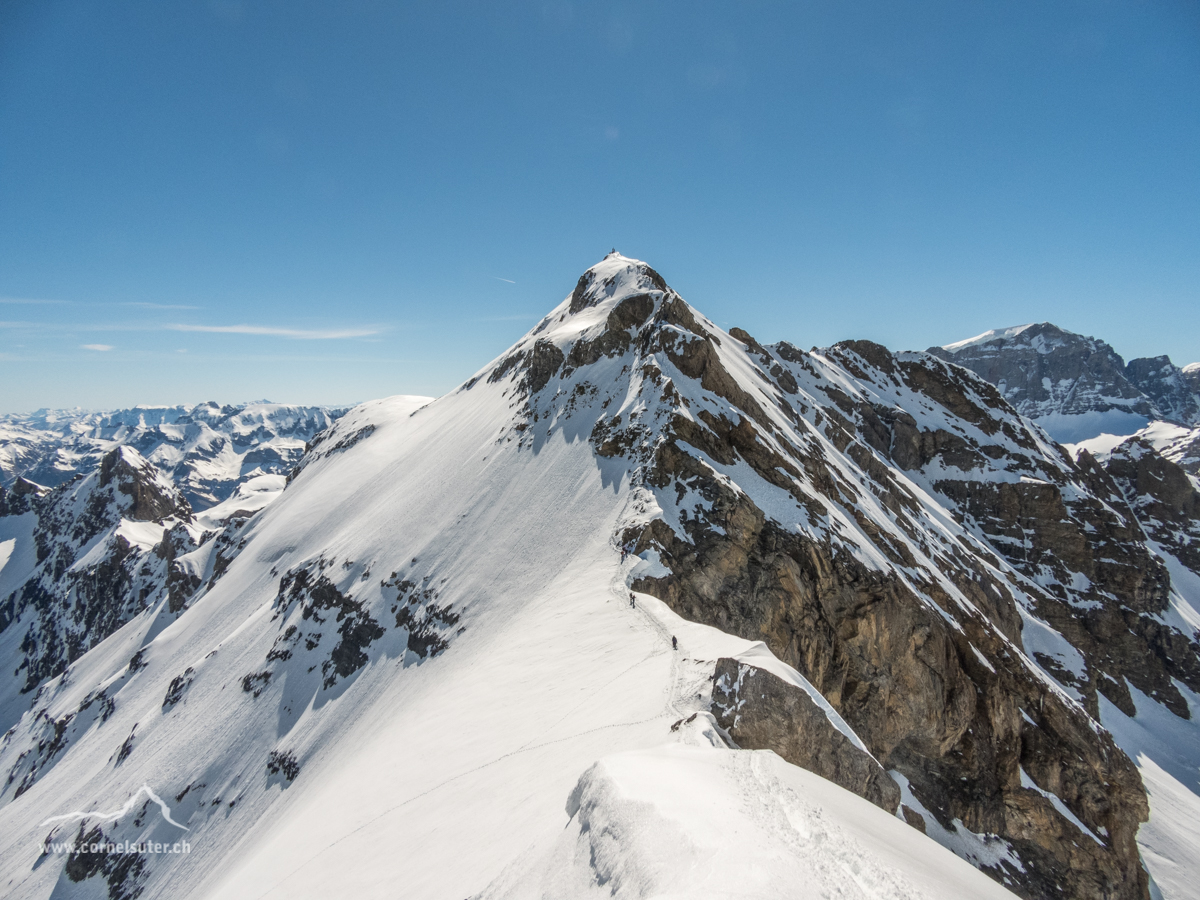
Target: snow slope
[[699, 822], [398, 672], [553, 671]]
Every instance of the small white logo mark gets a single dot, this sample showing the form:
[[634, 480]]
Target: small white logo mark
[[113, 816]]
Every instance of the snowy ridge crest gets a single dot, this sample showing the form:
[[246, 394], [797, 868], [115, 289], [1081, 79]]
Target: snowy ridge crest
[[474, 603]]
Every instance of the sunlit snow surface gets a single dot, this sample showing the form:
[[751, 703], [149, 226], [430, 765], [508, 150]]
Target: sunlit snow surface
[[453, 775], [418, 778], [692, 821], [1166, 749], [993, 334]]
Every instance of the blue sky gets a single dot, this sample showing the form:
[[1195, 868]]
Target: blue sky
[[324, 203]]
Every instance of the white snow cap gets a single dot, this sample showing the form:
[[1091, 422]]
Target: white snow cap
[[994, 334], [1192, 367]]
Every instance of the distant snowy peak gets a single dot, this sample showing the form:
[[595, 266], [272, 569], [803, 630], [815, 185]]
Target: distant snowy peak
[[207, 449], [1077, 387], [1191, 374], [996, 334]]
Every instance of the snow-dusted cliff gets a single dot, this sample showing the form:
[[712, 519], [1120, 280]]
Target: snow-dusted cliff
[[1077, 387]]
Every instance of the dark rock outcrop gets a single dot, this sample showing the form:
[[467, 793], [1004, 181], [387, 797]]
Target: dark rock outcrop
[[763, 712], [1176, 398], [1162, 496], [153, 498]]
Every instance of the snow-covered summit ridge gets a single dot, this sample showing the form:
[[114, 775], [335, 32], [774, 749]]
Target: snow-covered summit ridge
[[987, 337]]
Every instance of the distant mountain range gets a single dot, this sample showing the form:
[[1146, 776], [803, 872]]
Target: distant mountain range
[[1078, 387], [643, 608], [207, 450]]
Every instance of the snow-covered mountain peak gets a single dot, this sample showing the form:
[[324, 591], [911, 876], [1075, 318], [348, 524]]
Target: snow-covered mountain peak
[[631, 529], [615, 276], [1041, 337], [987, 337], [1078, 387], [615, 282], [618, 305]]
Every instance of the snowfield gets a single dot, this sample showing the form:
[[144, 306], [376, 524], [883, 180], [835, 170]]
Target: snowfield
[[692, 821]]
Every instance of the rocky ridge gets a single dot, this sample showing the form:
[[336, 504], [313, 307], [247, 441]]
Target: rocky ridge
[[853, 577], [973, 604], [108, 546]]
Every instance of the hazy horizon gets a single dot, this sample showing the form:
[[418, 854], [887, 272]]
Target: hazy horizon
[[317, 205]]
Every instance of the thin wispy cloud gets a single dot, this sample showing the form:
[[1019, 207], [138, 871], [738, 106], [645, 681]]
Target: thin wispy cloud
[[80, 326], [34, 301], [29, 301], [100, 347], [302, 334], [524, 318], [505, 280]]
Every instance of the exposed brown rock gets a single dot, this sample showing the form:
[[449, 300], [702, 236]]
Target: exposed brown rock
[[151, 502], [763, 712]]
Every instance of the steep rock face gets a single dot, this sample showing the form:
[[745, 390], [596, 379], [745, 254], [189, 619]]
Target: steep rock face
[[1043, 369], [1191, 375], [949, 708], [1162, 496], [763, 712], [20, 497], [773, 498], [107, 548], [152, 497], [1176, 397]]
